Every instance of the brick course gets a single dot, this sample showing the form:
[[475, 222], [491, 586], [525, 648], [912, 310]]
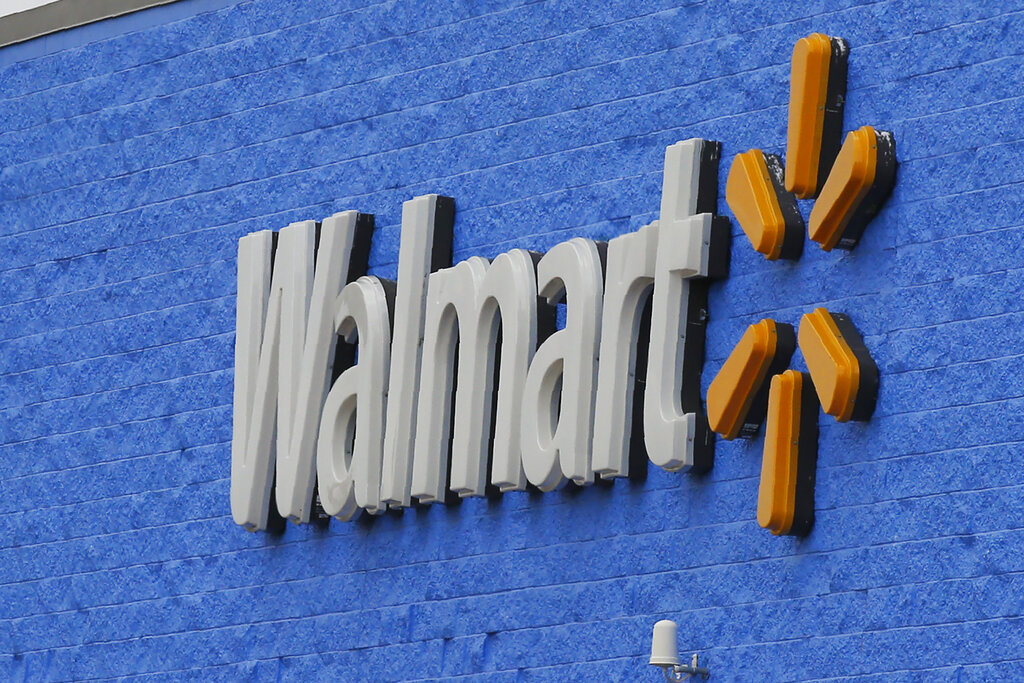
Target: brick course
[[135, 152]]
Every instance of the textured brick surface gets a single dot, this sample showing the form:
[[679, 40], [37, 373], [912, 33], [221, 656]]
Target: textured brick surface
[[135, 152]]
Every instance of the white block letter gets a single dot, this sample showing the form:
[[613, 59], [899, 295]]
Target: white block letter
[[628, 281], [451, 298], [558, 400], [256, 341], [466, 303], [679, 439], [284, 347], [351, 435], [510, 289], [307, 350], [425, 247]]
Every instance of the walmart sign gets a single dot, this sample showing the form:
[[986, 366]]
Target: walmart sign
[[348, 387]]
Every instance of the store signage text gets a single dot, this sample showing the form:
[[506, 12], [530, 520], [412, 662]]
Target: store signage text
[[344, 382]]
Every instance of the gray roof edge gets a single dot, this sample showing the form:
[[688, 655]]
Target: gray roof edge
[[65, 14]]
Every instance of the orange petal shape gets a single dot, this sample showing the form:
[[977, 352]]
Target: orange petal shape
[[859, 183], [817, 93], [844, 375], [785, 498], [738, 395], [765, 210]]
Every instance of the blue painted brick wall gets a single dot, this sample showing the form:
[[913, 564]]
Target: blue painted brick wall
[[135, 152]]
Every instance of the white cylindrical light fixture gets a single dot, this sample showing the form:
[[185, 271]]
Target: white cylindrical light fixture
[[664, 651]]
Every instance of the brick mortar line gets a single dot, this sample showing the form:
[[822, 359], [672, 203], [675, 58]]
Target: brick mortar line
[[108, 285], [221, 371], [427, 142], [785, 641], [506, 48], [897, 671], [137, 495], [967, 493], [693, 568], [222, 407], [918, 246], [140, 420], [120, 353], [983, 317], [598, 65], [28, 337], [144, 493], [141, 494], [888, 417], [958, 364], [515, 591], [499, 244], [339, 53], [986, 231], [964, 193], [735, 646], [111, 389], [717, 525], [114, 390], [163, 60], [353, 198], [370, 156], [866, 464], [801, 306], [129, 457], [121, 424]]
